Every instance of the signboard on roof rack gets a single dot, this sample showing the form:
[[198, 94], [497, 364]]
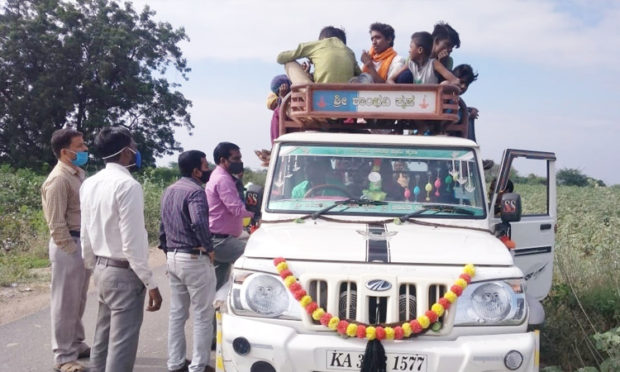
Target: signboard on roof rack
[[397, 102]]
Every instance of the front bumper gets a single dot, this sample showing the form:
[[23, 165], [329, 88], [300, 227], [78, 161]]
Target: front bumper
[[290, 351]]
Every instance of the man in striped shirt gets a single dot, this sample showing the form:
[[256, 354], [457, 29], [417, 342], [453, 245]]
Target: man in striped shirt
[[185, 237], [60, 195]]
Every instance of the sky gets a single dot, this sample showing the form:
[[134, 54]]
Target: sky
[[548, 70]]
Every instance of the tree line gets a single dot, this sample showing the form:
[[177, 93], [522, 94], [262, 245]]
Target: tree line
[[87, 64]]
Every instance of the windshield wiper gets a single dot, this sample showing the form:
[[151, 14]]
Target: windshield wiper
[[350, 201], [438, 208]]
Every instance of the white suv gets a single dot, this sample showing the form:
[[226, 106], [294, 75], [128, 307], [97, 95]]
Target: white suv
[[377, 228]]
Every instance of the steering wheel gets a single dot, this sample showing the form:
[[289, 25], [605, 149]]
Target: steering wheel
[[327, 186]]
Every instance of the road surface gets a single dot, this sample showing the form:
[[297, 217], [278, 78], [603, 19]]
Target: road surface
[[25, 343]]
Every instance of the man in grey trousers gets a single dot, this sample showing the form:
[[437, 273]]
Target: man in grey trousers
[[185, 237], [115, 242], [61, 206]]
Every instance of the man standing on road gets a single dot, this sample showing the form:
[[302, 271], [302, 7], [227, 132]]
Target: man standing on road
[[114, 237], [60, 195], [185, 237], [226, 209]]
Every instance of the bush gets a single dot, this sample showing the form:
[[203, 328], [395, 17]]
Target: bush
[[585, 297], [23, 230]]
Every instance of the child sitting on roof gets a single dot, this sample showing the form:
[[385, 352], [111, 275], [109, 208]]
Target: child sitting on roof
[[465, 74], [421, 65], [333, 61], [445, 38], [280, 86]]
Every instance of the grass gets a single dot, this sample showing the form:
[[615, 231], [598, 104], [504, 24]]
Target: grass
[[585, 296]]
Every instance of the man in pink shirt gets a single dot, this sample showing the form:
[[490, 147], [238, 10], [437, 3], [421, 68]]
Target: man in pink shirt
[[226, 209]]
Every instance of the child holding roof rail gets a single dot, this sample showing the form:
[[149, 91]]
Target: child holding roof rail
[[466, 75], [445, 39], [424, 69], [421, 65]]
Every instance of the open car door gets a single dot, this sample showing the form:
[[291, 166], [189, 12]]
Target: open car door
[[534, 234]]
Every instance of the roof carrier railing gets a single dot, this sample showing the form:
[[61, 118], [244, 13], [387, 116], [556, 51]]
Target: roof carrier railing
[[336, 107]]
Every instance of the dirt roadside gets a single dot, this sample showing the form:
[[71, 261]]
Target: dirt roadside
[[24, 299]]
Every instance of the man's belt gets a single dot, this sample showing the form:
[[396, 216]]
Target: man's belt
[[221, 236], [75, 234], [186, 250], [105, 261]]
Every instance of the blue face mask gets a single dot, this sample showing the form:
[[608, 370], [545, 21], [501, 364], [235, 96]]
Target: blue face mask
[[138, 159], [81, 158]]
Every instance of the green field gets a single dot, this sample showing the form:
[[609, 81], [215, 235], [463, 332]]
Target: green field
[[584, 300]]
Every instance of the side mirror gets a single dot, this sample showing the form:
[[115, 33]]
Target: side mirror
[[254, 199], [510, 207]]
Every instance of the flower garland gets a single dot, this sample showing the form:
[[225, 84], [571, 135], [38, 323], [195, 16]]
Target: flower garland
[[369, 332]]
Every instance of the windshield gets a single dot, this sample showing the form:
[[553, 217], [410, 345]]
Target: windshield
[[416, 181]]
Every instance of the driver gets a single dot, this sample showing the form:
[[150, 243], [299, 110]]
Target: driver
[[318, 172]]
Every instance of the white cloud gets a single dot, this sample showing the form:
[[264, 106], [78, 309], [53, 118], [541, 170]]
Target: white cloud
[[246, 123], [578, 141], [527, 31]]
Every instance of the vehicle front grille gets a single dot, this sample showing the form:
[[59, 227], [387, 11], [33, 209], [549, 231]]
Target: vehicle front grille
[[318, 291], [401, 302], [406, 302], [347, 300]]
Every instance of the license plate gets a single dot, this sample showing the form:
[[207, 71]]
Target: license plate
[[352, 360]]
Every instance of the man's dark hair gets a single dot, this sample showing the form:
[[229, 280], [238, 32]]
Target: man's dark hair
[[111, 140], [331, 31], [223, 150], [465, 72], [61, 139], [425, 40], [386, 30], [443, 31], [190, 160]]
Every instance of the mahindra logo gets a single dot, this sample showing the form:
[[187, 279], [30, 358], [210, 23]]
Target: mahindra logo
[[378, 285]]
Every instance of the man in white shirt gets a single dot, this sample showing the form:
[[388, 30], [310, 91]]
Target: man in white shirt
[[114, 242]]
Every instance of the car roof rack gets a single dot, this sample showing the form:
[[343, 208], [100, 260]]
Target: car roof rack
[[391, 107]]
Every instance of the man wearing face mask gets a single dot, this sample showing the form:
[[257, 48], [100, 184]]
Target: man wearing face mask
[[60, 195], [185, 237], [226, 209], [115, 243]]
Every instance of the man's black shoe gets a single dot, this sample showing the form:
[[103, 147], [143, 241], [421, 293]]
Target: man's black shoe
[[182, 369]]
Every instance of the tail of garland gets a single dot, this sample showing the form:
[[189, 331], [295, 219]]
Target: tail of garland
[[374, 357]]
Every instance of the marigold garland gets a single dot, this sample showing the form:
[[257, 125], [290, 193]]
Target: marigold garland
[[378, 332]]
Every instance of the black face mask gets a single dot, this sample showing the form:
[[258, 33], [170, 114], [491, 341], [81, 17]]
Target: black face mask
[[204, 178], [235, 168]]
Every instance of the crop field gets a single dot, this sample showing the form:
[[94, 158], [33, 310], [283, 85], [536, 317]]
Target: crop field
[[584, 300]]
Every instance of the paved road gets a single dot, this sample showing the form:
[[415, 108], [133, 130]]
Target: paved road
[[25, 343]]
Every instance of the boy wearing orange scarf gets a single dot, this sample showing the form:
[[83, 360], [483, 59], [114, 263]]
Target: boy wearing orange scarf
[[381, 61]]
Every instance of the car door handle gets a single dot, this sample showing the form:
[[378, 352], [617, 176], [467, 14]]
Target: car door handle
[[545, 226]]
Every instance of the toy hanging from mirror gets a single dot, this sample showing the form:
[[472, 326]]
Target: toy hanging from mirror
[[437, 183], [461, 180], [469, 187], [403, 181], [448, 182], [296, 166], [428, 187], [453, 172], [416, 189]]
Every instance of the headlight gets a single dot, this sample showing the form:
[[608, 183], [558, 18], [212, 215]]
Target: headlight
[[259, 294], [492, 303]]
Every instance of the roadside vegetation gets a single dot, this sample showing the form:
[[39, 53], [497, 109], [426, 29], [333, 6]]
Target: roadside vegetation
[[582, 329]]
